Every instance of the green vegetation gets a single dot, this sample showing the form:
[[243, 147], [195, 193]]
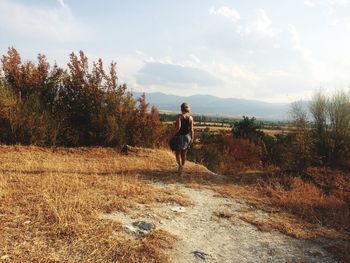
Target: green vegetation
[[323, 139]]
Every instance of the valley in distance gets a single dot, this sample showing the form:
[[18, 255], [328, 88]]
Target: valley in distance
[[220, 107]]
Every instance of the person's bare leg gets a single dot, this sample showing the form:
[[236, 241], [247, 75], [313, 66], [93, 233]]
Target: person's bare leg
[[178, 157], [183, 157], [179, 161]]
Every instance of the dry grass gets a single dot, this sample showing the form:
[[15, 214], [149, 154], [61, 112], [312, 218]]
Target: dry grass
[[50, 202], [298, 209], [274, 132], [289, 225], [51, 199], [311, 204], [295, 196], [335, 242]]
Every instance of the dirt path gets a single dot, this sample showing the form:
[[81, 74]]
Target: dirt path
[[223, 239]]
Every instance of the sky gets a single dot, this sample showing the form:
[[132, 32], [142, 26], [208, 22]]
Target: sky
[[270, 50]]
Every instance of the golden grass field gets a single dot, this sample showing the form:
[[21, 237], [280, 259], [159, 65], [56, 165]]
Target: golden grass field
[[51, 200]]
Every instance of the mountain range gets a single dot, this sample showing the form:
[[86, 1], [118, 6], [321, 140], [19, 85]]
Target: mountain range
[[212, 105]]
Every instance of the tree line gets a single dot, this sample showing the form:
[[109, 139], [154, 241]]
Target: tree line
[[319, 136], [80, 105]]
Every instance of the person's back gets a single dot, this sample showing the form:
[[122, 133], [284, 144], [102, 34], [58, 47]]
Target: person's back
[[185, 125]]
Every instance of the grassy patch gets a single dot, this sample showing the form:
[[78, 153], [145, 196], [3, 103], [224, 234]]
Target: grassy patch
[[50, 202], [298, 209]]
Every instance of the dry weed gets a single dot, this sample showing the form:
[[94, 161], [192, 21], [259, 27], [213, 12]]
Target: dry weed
[[50, 201], [300, 210]]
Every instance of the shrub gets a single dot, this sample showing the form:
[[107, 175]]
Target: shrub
[[45, 105]]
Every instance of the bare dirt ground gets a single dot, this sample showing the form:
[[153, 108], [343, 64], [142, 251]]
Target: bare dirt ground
[[213, 225]]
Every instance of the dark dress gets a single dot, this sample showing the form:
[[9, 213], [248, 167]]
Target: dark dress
[[183, 135]]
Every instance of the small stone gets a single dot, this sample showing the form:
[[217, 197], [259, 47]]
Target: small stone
[[27, 222], [178, 209], [200, 254], [133, 231], [315, 252], [272, 251], [203, 219], [143, 225]]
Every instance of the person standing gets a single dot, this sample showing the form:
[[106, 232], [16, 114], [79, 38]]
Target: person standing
[[184, 135]]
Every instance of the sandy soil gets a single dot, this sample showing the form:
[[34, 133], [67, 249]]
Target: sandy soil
[[222, 239]]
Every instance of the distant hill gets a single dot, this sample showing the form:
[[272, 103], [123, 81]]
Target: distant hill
[[211, 105]]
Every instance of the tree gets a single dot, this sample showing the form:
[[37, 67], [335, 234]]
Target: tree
[[331, 130], [45, 105], [339, 126], [297, 153], [247, 128], [318, 108]]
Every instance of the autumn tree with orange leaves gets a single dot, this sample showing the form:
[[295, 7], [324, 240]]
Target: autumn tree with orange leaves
[[78, 106]]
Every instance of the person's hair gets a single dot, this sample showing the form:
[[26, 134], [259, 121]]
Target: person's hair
[[185, 107]]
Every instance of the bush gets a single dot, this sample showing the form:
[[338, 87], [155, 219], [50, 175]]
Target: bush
[[45, 105]]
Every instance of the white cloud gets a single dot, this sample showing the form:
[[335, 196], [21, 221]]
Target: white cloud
[[339, 2], [271, 60], [226, 12], [139, 53], [254, 70], [293, 38], [195, 59], [261, 26], [311, 3], [338, 11], [164, 74], [255, 58], [62, 4], [57, 22], [163, 60]]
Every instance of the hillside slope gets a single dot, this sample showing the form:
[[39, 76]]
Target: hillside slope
[[86, 204]]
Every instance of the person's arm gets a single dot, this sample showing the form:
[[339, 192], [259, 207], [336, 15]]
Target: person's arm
[[191, 129], [177, 126]]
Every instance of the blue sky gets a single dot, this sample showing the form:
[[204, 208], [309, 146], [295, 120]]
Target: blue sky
[[270, 50]]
